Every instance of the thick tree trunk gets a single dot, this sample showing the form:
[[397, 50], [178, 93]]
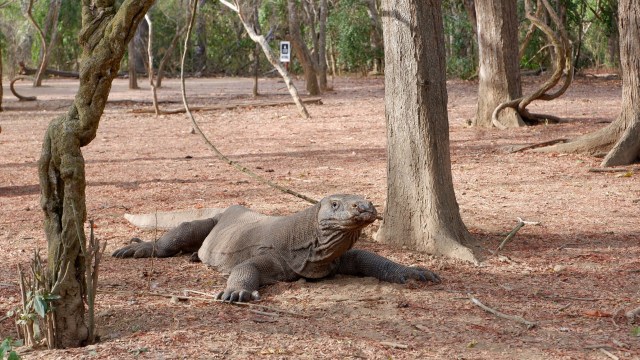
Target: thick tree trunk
[[621, 138], [301, 50], [421, 211], [103, 38], [499, 74]]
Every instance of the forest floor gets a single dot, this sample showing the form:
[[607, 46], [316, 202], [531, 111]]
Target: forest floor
[[574, 274]]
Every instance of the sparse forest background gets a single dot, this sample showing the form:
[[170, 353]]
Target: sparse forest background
[[223, 48]]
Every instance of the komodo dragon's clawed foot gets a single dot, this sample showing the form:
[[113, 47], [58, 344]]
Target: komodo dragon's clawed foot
[[238, 295], [138, 249], [417, 273]]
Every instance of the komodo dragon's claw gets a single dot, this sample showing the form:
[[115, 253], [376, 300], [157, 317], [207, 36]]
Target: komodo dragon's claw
[[237, 296], [420, 274]]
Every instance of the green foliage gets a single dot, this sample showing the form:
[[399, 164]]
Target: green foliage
[[460, 44], [6, 348], [635, 331], [348, 29]]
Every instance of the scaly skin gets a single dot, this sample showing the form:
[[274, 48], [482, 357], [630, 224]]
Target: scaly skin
[[258, 250]]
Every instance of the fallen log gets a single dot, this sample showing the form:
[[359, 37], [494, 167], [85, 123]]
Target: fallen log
[[248, 104], [24, 70]]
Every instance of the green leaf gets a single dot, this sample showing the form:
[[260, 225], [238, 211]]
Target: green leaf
[[52, 297], [635, 331], [13, 356], [40, 305]]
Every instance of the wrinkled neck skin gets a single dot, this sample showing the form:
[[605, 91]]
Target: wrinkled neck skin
[[317, 245]]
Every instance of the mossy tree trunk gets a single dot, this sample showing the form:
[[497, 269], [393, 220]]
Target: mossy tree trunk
[[105, 33]]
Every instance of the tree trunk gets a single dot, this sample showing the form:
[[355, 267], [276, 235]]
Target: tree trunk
[[103, 38], [621, 138], [131, 62], [499, 73], [167, 54], [0, 80], [301, 50], [321, 51], [200, 51], [375, 36], [421, 211], [51, 29]]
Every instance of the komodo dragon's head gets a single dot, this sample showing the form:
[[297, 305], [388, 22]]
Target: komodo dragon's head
[[340, 220]]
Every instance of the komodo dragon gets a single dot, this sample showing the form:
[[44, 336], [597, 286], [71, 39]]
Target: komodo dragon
[[258, 250]]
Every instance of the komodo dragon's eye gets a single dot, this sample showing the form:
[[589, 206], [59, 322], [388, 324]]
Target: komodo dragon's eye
[[334, 204]]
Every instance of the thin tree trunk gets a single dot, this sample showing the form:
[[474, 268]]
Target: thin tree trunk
[[133, 72], [152, 85], [103, 38], [322, 46], [43, 42], [421, 211], [51, 28], [301, 50], [256, 70], [499, 73], [375, 36], [167, 55], [200, 51], [0, 81]]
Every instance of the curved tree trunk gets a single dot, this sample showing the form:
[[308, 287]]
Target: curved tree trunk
[[302, 51], [421, 211], [499, 73], [621, 138], [103, 38]]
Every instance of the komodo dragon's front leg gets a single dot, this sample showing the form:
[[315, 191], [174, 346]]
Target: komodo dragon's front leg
[[246, 277], [365, 263], [186, 237]]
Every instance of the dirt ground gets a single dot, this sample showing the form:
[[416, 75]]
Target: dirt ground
[[573, 275]]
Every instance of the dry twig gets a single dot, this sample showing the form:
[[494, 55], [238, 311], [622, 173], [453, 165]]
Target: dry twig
[[518, 319], [513, 232]]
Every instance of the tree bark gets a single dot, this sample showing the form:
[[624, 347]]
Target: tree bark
[[499, 73], [321, 51], [621, 138], [103, 38], [301, 50], [421, 211]]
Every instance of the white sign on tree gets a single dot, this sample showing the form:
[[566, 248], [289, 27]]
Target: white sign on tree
[[285, 51]]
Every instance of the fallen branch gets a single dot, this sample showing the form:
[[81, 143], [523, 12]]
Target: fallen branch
[[394, 345], [24, 70], [513, 232], [516, 149], [518, 319], [313, 100], [613, 170], [15, 93]]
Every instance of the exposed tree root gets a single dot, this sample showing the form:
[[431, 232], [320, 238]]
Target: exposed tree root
[[15, 93], [563, 68]]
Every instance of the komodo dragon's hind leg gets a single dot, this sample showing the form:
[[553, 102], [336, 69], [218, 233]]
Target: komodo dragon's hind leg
[[186, 237]]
